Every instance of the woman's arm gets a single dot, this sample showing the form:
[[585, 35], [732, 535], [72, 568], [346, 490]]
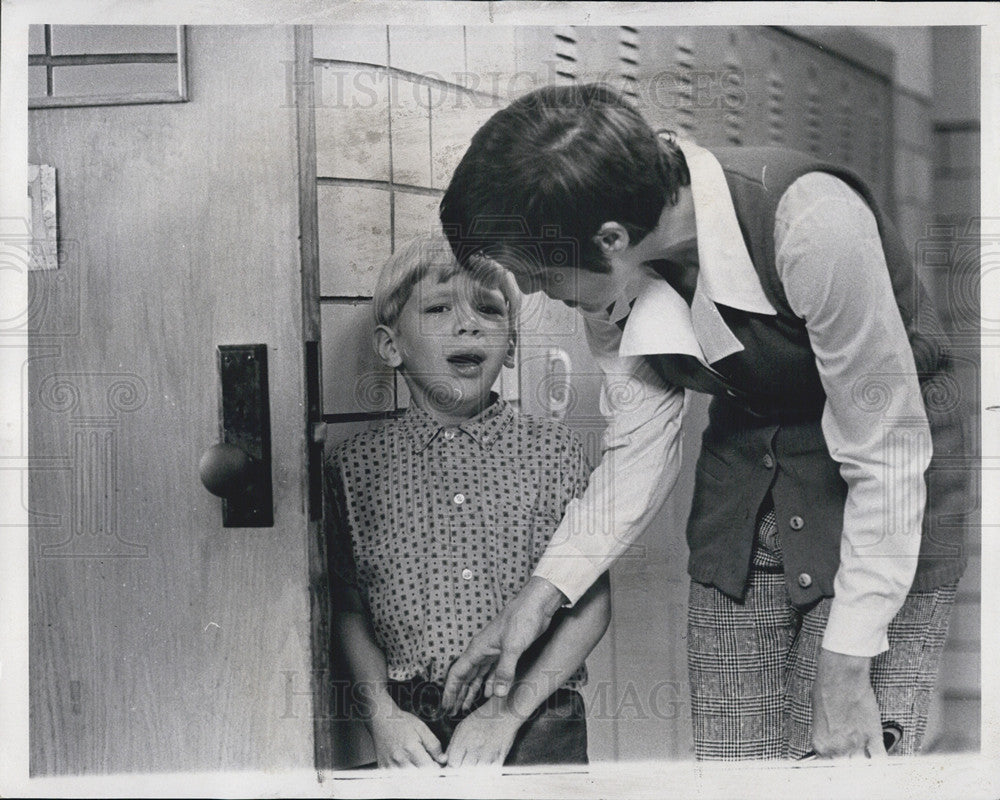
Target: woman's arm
[[830, 259], [639, 466]]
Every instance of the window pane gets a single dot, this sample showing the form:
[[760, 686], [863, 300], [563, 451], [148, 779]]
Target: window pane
[[36, 40], [114, 79], [354, 378], [352, 123], [78, 39], [36, 82], [365, 43], [354, 240]]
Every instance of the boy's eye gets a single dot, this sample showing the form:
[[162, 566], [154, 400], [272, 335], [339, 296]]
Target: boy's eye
[[438, 308], [491, 310]]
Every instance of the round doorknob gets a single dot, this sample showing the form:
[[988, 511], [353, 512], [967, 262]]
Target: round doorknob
[[225, 469]]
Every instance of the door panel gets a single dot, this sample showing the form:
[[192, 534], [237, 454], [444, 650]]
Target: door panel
[[159, 639]]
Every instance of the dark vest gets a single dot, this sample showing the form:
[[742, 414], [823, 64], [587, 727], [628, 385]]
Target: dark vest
[[764, 433]]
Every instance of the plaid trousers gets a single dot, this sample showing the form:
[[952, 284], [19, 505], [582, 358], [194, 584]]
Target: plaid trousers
[[752, 664]]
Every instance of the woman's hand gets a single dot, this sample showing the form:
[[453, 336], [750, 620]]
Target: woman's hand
[[492, 655], [845, 715]]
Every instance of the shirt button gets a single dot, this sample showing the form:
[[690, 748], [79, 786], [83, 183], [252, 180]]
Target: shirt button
[[458, 499], [805, 580], [467, 575], [449, 434], [796, 523], [768, 461]]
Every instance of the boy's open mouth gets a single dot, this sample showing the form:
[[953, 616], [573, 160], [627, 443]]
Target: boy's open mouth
[[469, 359]]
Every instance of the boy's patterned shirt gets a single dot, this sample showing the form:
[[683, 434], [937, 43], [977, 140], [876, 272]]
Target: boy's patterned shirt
[[438, 527]]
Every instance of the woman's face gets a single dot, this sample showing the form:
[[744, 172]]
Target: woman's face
[[591, 292]]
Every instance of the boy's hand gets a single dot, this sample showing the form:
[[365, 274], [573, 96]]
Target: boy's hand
[[403, 740], [485, 736]]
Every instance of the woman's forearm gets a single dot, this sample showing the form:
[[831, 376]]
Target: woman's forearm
[[560, 652]]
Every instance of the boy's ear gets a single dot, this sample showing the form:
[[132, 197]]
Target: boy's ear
[[385, 346], [611, 238]]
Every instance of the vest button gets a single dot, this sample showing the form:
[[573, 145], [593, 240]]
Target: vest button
[[796, 523], [449, 434], [805, 580], [458, 499], [466, 574], [768, 461]]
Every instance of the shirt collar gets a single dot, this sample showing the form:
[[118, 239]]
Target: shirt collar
[[725, 271], [484, 428], [660, 320]]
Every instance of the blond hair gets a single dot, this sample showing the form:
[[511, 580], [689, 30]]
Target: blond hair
[[429, 254]]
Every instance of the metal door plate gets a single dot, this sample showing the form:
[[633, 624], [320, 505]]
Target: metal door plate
[[246, 423]]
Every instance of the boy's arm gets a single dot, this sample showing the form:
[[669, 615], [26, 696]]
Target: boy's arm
[[401, 739], [486, 735]]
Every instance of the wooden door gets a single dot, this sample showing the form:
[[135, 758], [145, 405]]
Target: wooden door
[[161, 640]]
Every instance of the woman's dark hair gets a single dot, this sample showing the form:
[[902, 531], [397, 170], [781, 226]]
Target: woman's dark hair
[[553, 166]]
